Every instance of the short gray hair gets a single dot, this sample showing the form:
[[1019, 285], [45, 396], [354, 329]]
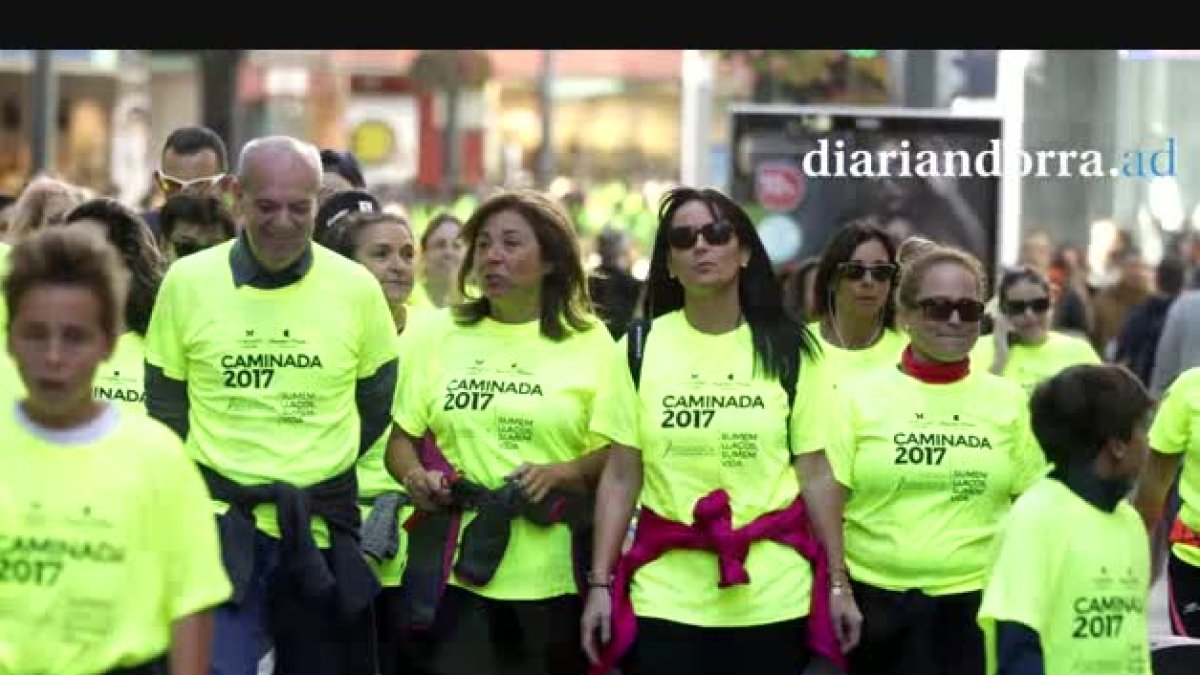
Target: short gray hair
[[269, 144]]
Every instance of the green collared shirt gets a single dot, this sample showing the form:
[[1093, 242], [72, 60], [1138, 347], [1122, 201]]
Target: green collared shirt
[[247, 270]]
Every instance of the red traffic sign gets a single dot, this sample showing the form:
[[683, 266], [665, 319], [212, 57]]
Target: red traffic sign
[[778, 186]]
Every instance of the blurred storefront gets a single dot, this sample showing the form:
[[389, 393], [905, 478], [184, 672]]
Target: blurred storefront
[[295, 92], [396, 127], [89, 84], [615, 114]]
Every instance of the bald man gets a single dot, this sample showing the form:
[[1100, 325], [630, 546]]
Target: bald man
[[275, 361]]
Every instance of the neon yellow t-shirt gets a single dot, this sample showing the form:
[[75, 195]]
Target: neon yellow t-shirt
[[5, 250], [420, 297], [838, 365], [105, 540], [120, 378], [1176, 430], [1029, 365], [931, 468], [1078, 577], [705, 422], [500, 395], [11, 386], [271, 373]]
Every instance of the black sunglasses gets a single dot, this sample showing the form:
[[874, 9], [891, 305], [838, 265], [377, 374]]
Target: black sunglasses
[[855, 271], [716, 234], [940, 309], [1018, 307]]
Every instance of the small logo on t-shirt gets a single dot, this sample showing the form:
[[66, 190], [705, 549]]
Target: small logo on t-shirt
[[36, 515], [87, 518], [287, 339]]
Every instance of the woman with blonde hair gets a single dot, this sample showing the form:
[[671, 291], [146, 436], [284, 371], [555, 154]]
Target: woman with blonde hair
[[45, 201], [931, 452], [1022, 347]]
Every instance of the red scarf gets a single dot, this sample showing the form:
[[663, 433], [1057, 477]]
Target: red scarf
[[934, 373]]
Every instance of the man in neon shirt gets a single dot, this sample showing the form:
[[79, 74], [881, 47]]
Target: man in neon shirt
[[1072, 600], [276, 407], [194, 161]]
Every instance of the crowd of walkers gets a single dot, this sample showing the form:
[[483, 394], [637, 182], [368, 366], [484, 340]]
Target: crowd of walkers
[[272, 427]]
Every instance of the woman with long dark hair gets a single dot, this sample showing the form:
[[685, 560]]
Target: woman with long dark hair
[[729, 465], [855, 302]]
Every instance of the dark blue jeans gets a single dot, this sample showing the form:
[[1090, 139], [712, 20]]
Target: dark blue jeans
[[307, 636]]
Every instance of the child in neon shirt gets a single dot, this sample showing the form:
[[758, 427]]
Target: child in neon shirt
[[1067, 591], [111, 560]]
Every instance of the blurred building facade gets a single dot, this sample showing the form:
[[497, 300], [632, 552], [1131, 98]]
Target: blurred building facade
[[90, 83], [1116, 102], [614, 115]]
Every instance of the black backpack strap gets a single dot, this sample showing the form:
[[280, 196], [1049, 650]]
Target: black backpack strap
[[789, 382], [636, 340]]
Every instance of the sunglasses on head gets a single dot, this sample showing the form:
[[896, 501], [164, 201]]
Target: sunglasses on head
[[855, 271], [940, 309], [716, 234], [1018, 307], [170, 184]]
